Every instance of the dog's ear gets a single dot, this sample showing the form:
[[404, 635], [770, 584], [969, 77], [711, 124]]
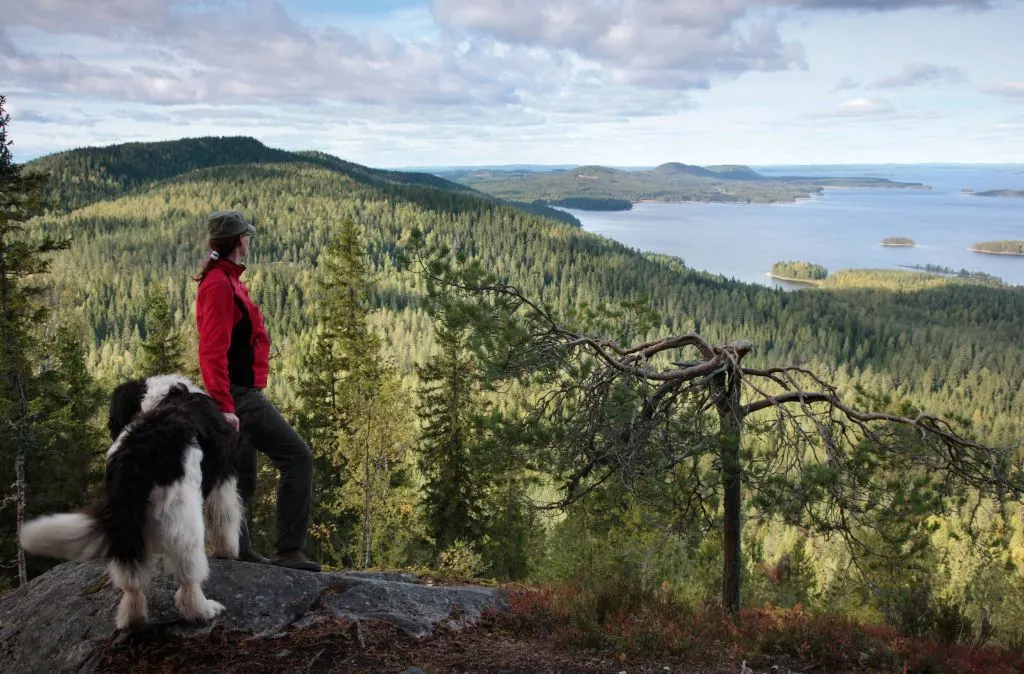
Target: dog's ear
[[125, 403]]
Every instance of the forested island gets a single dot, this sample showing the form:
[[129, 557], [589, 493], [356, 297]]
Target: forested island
[[899, 241], [671, 182], [980, 276], [1017, 194], [592, 204], [913, 278], [998, 247], [422, 430], [801, 272]]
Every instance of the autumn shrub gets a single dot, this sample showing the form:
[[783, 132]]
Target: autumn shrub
[[706, 635], [459, 561]]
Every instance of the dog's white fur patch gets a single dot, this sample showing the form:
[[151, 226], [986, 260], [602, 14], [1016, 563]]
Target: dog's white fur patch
[[223, 509], [64, 536], [177, 517], [157, 388], [117, 443], [133, 581]]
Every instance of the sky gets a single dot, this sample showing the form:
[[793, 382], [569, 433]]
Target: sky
[[405, 83]]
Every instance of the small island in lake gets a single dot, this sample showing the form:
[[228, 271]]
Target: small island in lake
[[963, 274], [1017, 194], [900, 241], [998, 247], [799, 272], [593, 204]]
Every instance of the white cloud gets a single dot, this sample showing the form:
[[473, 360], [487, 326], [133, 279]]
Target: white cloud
[[651, 43], [861, 107], [488, 52], [918, 73], [508, 74], [668, 43], [74, 116], [220, 52], [107, 18], [1009, 89], [891, 5]]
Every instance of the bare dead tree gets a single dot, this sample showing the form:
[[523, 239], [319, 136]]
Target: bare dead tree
[[688, 409]]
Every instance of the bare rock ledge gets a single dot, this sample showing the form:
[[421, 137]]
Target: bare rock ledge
[[63, 620]]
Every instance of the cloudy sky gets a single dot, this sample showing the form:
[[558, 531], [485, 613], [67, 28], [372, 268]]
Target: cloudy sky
[[469, 82]]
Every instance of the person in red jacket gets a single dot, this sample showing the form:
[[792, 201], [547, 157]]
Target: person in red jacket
[[234, 351]]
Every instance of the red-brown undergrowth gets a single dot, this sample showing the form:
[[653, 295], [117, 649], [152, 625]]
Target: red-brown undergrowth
[[708, 636]]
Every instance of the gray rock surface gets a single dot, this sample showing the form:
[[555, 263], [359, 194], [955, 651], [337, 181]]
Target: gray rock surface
[[413, 608], [63, 620]]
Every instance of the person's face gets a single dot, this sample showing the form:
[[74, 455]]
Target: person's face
[[243, 246]]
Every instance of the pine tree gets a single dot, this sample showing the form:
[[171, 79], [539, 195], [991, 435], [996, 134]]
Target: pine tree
[[21, 309], [163, 349]]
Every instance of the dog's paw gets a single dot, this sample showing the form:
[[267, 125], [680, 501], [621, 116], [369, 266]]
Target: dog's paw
[[214, 609], [193, 606], [131, 612], [125, 623]]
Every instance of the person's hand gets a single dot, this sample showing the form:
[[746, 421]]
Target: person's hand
[[231, 419]]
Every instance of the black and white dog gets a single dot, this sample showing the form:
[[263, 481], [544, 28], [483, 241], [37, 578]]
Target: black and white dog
[[171, 487]]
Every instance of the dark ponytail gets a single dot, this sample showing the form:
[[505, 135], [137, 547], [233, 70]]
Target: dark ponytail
[[223, 249]]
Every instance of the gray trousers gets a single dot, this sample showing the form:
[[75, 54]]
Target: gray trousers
[[269, 433]]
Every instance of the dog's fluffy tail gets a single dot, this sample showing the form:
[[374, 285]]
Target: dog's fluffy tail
[[76, 536]]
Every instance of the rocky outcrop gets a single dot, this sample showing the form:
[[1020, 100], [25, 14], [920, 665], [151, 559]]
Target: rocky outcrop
[[63, 620]]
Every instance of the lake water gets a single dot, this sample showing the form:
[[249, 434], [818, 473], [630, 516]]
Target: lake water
[[840, 229]]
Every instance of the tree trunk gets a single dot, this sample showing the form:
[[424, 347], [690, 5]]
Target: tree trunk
[[730, 422], [20, 486], [367, 500], [19, 470]]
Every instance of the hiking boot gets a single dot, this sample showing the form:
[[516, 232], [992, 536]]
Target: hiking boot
[[295, 559], [252, 557]]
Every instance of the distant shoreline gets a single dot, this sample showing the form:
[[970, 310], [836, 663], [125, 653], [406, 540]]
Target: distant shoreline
[[900, 245], [880, 186], [794, 200], [995, 252], [1006, 194], [806, 281]]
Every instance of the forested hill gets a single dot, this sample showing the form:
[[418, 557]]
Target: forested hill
[[86, 175], [672, 181], [952, 349]]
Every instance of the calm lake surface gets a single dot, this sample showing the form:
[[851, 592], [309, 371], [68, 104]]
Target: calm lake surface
[[840, 229]]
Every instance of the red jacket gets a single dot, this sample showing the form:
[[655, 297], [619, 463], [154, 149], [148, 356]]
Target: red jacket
[[234, 348]]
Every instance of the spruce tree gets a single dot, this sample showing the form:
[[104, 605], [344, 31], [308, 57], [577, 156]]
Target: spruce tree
[[67, 462], [381, 434], [21, 310], [449, 400], [163, 348], [350, 407]]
